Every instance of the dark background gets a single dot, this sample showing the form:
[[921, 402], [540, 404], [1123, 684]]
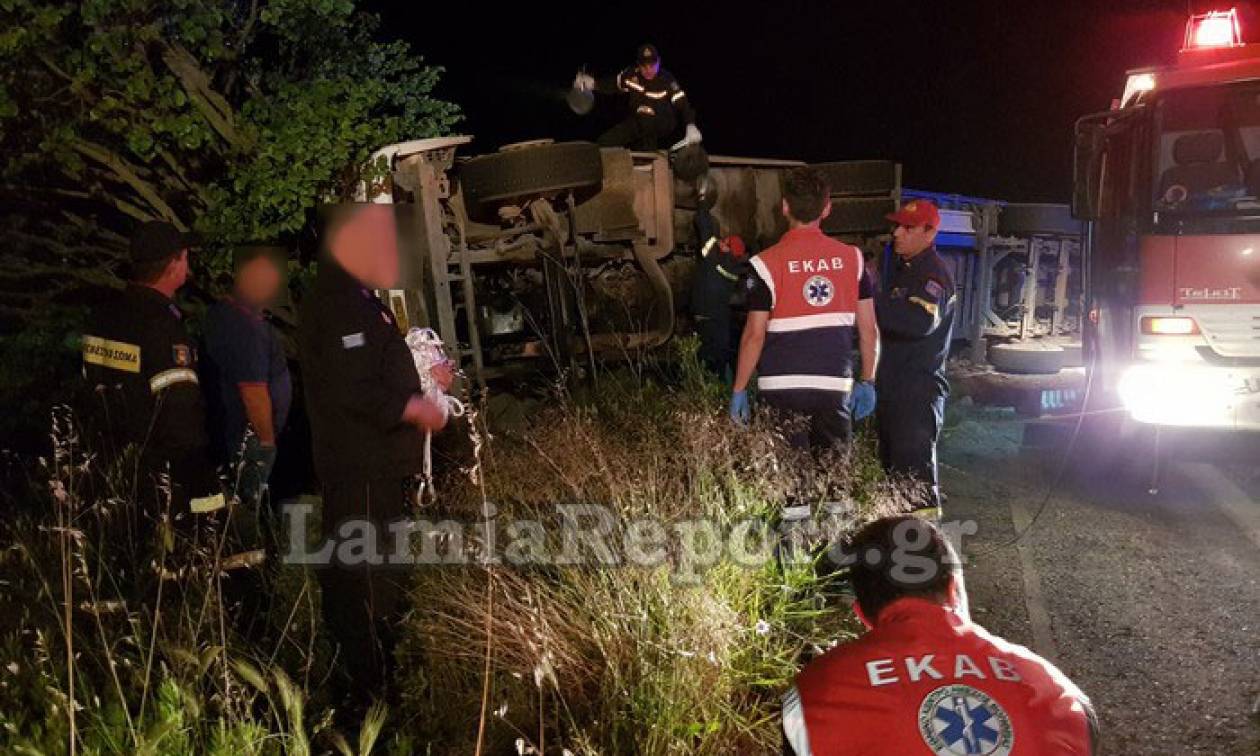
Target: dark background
[[972, 97]]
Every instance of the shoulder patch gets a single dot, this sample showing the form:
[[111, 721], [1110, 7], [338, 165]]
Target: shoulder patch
[[182, 355]]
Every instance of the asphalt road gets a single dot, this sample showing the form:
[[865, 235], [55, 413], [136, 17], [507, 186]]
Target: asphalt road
[[1149, 601]]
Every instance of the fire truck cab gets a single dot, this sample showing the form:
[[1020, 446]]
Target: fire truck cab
[[1169, 180]]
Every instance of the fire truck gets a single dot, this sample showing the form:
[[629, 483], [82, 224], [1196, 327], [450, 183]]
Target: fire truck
[[1169, 182]]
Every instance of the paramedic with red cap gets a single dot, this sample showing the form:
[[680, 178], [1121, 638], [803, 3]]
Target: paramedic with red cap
[[925, 680], [916, 323]]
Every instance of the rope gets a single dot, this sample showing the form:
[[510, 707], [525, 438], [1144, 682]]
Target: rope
[[429, 352]]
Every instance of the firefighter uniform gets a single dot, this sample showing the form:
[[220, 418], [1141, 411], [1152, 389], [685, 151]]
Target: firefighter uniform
[[659, 108], [359, 376], [916, 322], [142, 366], [927, 681], [722, 264], [810, 284]]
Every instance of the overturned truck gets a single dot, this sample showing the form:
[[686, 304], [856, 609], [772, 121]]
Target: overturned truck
[[568, 253]]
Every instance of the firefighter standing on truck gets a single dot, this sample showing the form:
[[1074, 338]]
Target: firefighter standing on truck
[[142, 365], [660, 113], [925, 679], [916, 322]]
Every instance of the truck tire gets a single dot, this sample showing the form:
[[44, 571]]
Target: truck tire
[[532, 171], [1030, 219], [1025, 358]]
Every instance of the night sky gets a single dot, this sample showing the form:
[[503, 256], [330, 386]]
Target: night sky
[[973, 98]]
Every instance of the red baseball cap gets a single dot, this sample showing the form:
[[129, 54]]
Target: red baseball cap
[[736, 245], [917, 213]]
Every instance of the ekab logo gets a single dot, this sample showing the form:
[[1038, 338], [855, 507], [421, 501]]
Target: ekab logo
[[958, 720], [818, 291]]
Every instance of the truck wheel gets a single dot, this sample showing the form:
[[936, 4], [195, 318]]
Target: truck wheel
[[532, 171], [1026, 358], [1029, 219]]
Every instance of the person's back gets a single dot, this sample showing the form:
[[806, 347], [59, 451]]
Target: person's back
[[925, 679]]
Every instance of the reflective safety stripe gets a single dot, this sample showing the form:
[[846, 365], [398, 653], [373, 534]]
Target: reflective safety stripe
[[207, 504], [806, 322], [794, 723], [646, 110], [708, 246], [724, 273], [633, 85], [760, 267], [678, 96], [117, 355], [657, 95], [168, 378], [815, 382], [929, 306]]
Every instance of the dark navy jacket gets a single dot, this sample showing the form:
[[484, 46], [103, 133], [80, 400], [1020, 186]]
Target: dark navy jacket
[[916, 323], [359, 375], [242, 348]]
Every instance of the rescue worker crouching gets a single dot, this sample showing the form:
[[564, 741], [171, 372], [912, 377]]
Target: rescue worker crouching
[[660, 112], [916, 320], [925, 679], [142, 365], [368, 420]]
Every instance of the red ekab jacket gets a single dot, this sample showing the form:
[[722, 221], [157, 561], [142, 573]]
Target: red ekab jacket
[[926, 681]]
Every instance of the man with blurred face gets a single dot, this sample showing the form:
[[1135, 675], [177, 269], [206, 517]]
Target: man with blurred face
[[660, 113], [916, 320], [246, 358], [368, 420]]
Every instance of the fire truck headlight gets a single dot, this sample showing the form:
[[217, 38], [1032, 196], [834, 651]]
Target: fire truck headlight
[[1177, 394]]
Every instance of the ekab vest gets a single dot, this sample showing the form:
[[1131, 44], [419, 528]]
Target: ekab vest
[[814, 285]]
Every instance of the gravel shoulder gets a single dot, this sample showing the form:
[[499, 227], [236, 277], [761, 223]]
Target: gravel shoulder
[[1154, 600]]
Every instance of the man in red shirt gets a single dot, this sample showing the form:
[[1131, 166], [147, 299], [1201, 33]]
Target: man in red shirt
[[925, 679]]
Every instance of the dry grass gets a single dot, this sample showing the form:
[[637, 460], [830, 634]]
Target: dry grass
[[675, 658]]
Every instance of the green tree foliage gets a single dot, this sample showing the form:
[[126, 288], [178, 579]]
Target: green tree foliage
[[229, 117]]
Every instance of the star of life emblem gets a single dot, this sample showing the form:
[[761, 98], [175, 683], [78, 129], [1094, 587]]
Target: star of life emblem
[[958, 720], [819, 291]]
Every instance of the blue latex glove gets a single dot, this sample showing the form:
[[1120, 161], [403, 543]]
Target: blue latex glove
[[862, 400], [740, 412]]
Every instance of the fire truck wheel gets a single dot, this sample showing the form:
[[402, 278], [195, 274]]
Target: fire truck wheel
[[1026, 358], [532, 171]]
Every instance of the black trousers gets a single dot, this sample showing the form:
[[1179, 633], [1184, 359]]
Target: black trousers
[[910, 420], [362, 603], [716, 352], [827, 422], [642, 132]]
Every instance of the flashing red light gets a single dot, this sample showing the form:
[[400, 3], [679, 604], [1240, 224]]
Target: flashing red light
[[1213, 30]]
